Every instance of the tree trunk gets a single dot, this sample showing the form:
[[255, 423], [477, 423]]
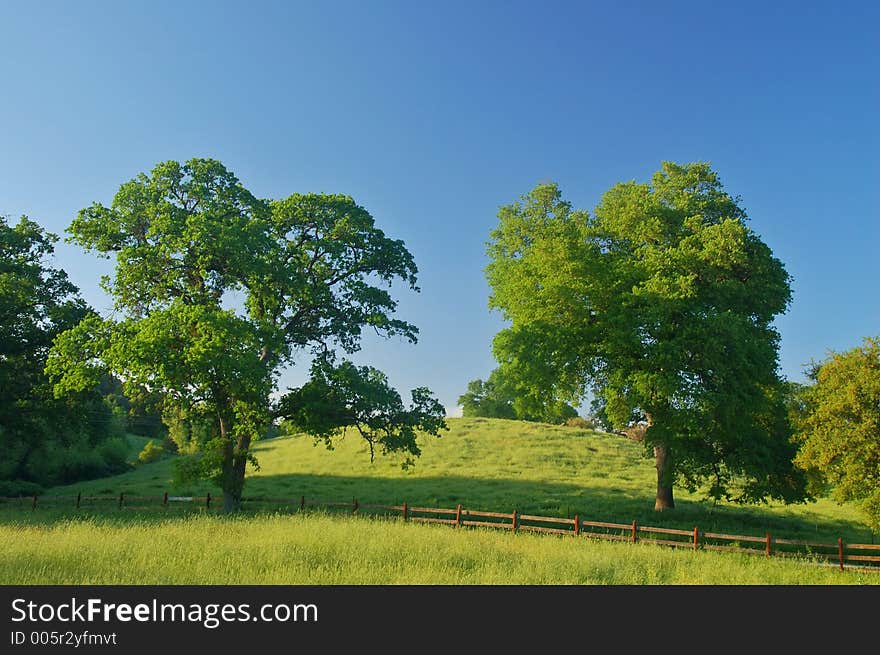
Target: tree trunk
[[234, 462], [239, 464], [663, 462], [233, 480], [235, 459], [231, 503]]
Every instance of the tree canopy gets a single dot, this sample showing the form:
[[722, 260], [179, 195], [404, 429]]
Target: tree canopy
[[502, 398], [840, 426], [45, 440], [662, 304], [486, 399], [216, 290]]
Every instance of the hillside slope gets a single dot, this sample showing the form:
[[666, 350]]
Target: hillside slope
[[498, 464]]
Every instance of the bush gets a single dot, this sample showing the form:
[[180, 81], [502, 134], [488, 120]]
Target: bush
[[152, 452], [76, 465], [14, 488], [114, 452], [56, 463], [170, 445], [581, 422]]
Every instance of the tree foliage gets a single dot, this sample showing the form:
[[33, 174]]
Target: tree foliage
[[486, 399], [216, 290], [501, 398], [45, 440], [339, 398], [661, 303], [840, 426]]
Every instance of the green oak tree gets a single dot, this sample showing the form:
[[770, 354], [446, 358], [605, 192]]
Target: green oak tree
[[661, 304], [498, 397], [216, 290], [486, 399], [45, 440], [840, 426]]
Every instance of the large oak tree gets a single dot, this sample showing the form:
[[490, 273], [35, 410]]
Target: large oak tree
[[662, 304], [216, 290]]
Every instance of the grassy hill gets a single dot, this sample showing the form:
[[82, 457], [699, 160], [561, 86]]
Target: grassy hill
[[495, 464], [483, 464]]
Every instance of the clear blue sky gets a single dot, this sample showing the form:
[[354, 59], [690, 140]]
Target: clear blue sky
[[431, 115]]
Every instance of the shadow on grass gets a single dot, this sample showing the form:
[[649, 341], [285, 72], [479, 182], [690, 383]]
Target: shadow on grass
[[499, 495]]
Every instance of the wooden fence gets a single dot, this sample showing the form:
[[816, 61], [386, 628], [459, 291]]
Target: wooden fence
[[841, 554]]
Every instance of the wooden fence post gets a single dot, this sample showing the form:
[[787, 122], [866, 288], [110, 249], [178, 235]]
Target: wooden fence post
[[634, 536], [458, 516], [405, 510], [34, 505], [355, 506], [513, 525], [577, 524], [840, 551], [165, 500], [78, 498], [208, 501], [767, 548], [121, 499], [696, 537], [302, 503]]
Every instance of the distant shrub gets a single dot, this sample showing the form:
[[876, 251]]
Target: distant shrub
[[287, 428], [13, 488], [582, 422], [170, 445], [114, 452], [152, 452], [58, 464], [636, 432]]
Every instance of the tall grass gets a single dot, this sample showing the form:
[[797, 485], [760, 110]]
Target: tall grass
[[316, 548]]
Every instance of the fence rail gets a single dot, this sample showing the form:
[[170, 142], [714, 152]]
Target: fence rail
[[836, 553]]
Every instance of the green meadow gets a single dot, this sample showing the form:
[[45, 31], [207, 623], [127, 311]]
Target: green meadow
[[316, 548], [484, 464]]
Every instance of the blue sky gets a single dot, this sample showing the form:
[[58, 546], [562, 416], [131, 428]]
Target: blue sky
[[432, 115]]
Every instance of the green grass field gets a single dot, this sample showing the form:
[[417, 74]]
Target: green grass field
[[322, 549], [484, 464]]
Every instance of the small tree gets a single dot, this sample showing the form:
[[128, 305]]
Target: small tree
[[840, 430], [216, 290], [486, 399], [500, 397]]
